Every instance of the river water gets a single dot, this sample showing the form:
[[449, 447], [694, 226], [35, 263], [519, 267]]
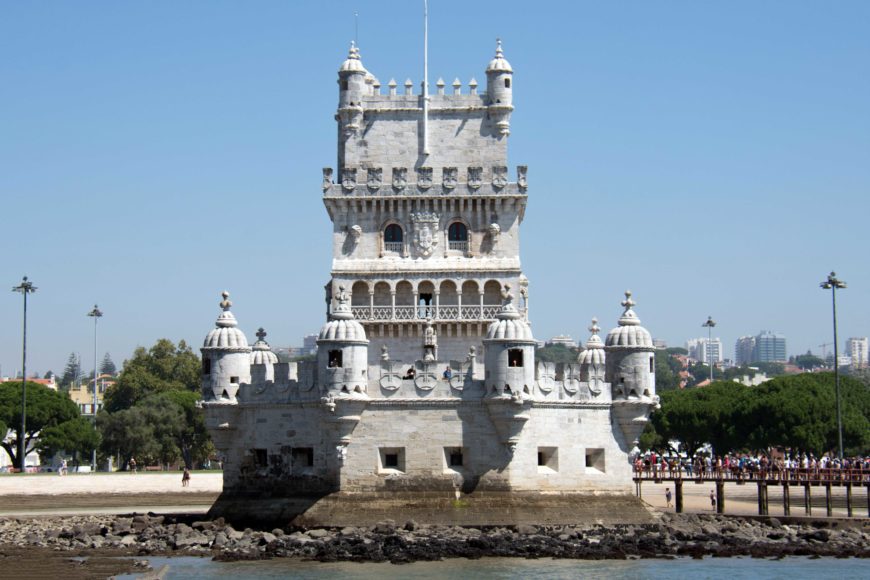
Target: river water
[[522, 569]]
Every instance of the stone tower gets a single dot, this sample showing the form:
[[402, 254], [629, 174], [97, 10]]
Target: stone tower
[[425, 236]]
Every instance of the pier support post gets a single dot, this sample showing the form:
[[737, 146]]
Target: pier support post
[[808, 499], [762, 497], [786, 499], [849, 498], [720, 496], [829, 506], [678, 496]]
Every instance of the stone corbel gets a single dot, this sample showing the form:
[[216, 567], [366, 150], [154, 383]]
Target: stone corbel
[[509, 414]]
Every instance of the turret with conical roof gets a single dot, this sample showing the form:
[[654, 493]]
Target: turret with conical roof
[[226, 361], [630, 356], [351, 89], [342, 350], [499, 81], [262, 356], [510, 350]]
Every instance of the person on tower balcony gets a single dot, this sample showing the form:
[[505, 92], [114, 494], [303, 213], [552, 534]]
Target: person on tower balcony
[[448, 374]]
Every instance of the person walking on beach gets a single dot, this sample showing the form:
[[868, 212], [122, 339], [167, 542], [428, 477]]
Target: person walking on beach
[[185, 478], [668, 496], [712, 500]]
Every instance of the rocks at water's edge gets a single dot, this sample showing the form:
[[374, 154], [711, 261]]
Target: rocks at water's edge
[[675, 535]]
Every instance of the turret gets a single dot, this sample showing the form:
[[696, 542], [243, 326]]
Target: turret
[[351, 89], [510, 351], [342, 351], [226, 358], [499, 81], [630, 357], [263, 357]]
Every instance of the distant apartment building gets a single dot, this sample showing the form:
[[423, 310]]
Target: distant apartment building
[[309, 344], [856, 350], [744, 350], [769, 347], [660, 343], [82, 394], [705, 351], [563, 339]]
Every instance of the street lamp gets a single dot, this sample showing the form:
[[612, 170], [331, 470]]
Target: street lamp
[[832, 283], [26, 287], [95, 314], [710, 324]]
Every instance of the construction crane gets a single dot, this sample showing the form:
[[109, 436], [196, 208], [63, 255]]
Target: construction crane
[[824, 351]]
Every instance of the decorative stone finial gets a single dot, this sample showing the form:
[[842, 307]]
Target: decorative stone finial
[[498, 51], [628, 318], [594, 328], [225, 303], [261, 334], [342, 309]]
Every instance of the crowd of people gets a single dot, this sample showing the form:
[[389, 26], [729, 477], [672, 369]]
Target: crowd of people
[[739, 466]]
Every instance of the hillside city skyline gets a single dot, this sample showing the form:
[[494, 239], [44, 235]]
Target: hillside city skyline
[[721, 158]]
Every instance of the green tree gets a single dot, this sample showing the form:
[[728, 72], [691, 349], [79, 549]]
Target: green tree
[[107, 367], [71, 372], [162, 368], [557, 353], [76, 436], [45, 408], [127, 433], [666, 377], [809, 361], [193, 438], [677, 350]]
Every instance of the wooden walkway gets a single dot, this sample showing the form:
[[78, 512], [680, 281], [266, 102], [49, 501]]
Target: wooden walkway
[[805, 479]]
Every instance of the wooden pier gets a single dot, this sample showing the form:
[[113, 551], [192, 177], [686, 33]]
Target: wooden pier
[[811, 481]]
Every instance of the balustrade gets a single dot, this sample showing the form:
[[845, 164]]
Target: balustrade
[[425, 311]]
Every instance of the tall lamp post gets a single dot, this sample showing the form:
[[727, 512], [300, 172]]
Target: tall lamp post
[[26, 287], [95, 314], [832, 283], [710, 324]]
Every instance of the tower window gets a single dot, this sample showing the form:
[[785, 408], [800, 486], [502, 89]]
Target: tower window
[[507, 83], [548, 459], [234, 380], [515, 357], [392, 459], [261, 458], [206, 366], [393, 233], [344, 85], [457, 232], [652, 364], [302, 457], [335, 359]]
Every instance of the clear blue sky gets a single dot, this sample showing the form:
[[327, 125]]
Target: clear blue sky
[[712, 157]]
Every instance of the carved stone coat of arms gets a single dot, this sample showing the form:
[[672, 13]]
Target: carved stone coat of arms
[[425, 232]]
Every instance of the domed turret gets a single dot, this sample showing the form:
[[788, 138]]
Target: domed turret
[[352, 87], [630, 356], [225, 357], [510, 350], [499, 78], [261, 354], [342, 350]]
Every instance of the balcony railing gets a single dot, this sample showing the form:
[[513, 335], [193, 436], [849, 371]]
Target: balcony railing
[[447, 312], [393, 247], [457, 246]]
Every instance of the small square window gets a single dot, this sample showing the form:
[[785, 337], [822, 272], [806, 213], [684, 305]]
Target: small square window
[[515, 357], [234, 380], [548, 459], [261, 458], [302, 457], [454, 459], [335, 359], [594, 460], [391, 460]]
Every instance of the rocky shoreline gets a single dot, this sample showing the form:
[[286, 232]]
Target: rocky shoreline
[[684, 535]]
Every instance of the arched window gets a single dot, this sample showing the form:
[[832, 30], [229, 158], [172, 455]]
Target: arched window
[[393, 233], [457, 232], [393, 238]]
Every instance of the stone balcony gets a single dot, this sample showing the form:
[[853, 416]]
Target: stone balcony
[[436, 313]]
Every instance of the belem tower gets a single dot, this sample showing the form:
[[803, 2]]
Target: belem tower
[[425, 378]]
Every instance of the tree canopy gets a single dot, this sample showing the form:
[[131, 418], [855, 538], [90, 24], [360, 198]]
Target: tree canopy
[[76, 436], [107, 367], [796, 412], [45, 408], [150, 413], [162, 368], [557, 353]]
